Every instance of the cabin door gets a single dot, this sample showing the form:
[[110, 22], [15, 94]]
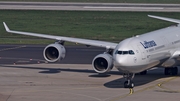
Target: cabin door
[[142, 52]]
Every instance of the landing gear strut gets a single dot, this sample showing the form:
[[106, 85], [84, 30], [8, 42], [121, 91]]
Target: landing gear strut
[[128, 83]]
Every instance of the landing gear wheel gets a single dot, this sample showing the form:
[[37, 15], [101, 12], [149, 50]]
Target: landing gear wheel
[[131, 85], [128, 83]]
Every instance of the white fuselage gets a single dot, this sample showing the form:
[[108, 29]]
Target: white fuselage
[[157, 48]]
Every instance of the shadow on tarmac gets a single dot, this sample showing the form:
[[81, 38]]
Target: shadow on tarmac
[[139, 80]]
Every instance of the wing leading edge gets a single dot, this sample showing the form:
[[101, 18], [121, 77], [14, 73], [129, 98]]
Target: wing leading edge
[[165, 19], [107, 45]]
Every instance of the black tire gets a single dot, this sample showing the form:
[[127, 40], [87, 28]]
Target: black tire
[[126, 84], [131, 85]]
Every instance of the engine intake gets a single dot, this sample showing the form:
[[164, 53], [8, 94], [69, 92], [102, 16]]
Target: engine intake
[[103, 63], [54, 52]]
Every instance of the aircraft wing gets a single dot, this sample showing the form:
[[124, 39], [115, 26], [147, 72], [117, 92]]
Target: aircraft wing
[[165, 19], [107, 45]]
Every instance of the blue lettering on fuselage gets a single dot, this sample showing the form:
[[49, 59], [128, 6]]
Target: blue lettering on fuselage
[[148, 44]]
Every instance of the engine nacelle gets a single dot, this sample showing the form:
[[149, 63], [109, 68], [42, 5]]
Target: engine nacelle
[[54, 52], [103, 63]]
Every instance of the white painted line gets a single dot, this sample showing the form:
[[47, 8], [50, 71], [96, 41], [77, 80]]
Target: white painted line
[[91, 7]]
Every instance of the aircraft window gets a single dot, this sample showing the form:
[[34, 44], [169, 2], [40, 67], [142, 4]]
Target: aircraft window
[[119, 52], [131, 52], [125, 52]]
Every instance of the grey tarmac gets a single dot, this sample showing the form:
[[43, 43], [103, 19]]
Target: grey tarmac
[[28, 54], [29, 81], [89, 6]]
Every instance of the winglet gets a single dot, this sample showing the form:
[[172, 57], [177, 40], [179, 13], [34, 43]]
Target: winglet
[[165, 19], [6, 27]]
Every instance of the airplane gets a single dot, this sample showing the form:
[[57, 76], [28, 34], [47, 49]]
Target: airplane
[[137, 54]]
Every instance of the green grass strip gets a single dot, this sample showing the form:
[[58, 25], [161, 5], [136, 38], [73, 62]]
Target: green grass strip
[[97, 25]]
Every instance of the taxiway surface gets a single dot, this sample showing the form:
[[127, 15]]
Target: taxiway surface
[[90, 6], [23, 78], [22, 54]]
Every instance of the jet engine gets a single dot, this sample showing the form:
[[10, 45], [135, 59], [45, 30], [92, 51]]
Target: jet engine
[[103, 63], [54, 52]]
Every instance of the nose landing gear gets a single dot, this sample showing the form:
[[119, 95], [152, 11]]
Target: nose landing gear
[[128, 83]]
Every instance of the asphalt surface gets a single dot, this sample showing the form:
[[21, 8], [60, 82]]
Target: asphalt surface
[[65, 82], [25, 76], [90, 6], [28, 54]]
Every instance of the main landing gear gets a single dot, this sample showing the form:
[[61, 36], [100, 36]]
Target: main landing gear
[[128, 83], [171, 71]]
